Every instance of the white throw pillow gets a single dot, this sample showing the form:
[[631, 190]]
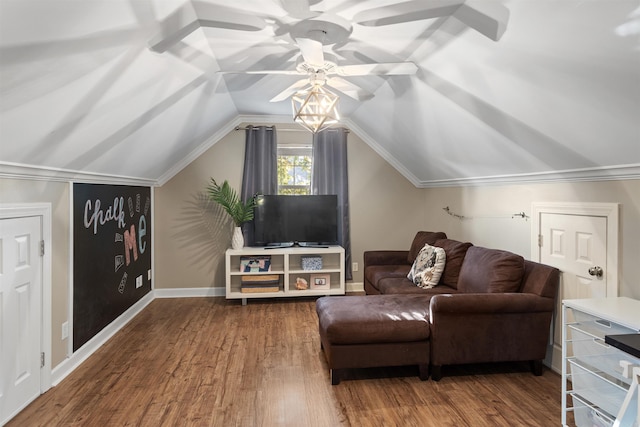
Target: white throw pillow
[[428, 267]]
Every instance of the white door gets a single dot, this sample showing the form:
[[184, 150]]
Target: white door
[[580, 240], [577, 245], [20, 313]]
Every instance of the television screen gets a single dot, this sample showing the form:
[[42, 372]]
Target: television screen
[[296, 220]]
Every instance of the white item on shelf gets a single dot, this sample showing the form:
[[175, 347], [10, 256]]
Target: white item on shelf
[[311, 262]]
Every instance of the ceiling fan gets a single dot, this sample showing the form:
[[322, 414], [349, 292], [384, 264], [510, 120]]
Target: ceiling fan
[[311, 30], [488, 18], [321, 69]]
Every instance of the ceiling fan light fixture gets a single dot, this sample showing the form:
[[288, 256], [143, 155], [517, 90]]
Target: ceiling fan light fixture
[[316, 108]]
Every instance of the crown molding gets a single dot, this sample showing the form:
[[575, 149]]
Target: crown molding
[[605, 173], [41, 173]]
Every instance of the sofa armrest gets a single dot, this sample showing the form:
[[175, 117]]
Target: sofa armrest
[[491, 327], [493, 303], [385, 258]]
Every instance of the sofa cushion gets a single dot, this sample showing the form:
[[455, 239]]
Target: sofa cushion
[[402, 285], [490, 270], [428, 267], [455, 252], [374, 273], [422, 238]]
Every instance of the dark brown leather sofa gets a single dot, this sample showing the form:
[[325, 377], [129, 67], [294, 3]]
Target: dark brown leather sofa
[[489, 306]]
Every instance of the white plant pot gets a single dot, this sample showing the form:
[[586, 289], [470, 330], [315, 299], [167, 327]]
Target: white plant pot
[[237, 240]]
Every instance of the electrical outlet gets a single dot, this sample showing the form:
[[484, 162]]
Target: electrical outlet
[[139, 281], [354, 266], [65, 330]]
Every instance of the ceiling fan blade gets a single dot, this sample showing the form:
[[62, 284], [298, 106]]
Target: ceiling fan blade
[[196, 14], [290, 91], [280, 72], [349, 89], [488, 18], [311, 51], [296, 8], [415, 10], [384, 68]]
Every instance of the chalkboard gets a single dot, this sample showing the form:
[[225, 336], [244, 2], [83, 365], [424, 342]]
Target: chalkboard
[[111, 254]]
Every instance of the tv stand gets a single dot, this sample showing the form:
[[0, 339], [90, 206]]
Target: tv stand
[[286, 263]]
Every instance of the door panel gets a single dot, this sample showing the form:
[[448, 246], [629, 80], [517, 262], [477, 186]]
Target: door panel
[[20, 318], [574, 244]]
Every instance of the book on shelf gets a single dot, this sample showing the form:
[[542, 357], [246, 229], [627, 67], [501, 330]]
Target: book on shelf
[[259, 289], [257, 283], [260, 279], [255, 264]]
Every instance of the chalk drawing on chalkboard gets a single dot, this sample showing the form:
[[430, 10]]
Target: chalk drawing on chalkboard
[[119, 238], [146, 206], [130, 202], [123, 283], [138, 202], [119, 261]]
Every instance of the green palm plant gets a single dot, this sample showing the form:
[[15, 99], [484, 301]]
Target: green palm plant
[[229, 199]]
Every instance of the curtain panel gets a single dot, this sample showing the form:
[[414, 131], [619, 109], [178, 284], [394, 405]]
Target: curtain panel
[[260, 174], [329, 176]]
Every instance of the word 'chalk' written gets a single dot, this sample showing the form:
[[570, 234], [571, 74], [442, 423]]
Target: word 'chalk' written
[[114, 212]]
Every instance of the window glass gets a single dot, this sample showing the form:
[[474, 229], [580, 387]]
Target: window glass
[[294, 168]]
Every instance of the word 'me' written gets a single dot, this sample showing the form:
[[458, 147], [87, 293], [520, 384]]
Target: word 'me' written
[[95, 216]]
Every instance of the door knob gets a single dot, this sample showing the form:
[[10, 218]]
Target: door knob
[[596, 271]]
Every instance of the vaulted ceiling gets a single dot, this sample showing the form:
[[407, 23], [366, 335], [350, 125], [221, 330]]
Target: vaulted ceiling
[[503, 90]]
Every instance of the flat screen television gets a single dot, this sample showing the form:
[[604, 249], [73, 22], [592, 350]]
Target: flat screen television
[[283, 220]]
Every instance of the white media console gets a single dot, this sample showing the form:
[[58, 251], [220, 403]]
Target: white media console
[[286, 266]]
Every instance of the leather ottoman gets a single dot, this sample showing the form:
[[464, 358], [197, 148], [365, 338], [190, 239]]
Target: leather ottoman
[[374, 331]]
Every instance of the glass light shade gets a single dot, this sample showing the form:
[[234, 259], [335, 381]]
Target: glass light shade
[[316, 108]]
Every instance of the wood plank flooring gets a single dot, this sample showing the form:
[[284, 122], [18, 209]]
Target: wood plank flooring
[[212, 362]]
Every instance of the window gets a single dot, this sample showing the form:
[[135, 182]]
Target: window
[[294, 167]]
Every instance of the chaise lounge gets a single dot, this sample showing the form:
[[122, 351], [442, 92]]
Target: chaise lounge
[[489, 305]]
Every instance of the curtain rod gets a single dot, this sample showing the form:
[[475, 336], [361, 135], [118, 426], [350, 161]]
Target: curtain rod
[[271, 128], [280, 129]]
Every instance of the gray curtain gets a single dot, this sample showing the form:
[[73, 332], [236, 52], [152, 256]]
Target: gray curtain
[[329, 176], [260, 175]]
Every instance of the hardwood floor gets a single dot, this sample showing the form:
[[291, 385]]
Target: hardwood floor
[[211, 362]]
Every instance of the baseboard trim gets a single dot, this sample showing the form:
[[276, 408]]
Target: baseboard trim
[[63, 369], [220, 292], [556, 359], [355, 287], [189, 292]]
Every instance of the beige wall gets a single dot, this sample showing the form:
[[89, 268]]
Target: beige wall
[[489, 210], [192, 234], [56, 193], [190, 237]]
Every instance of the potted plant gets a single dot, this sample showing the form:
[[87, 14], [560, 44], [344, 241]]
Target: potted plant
[[239, 211]]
